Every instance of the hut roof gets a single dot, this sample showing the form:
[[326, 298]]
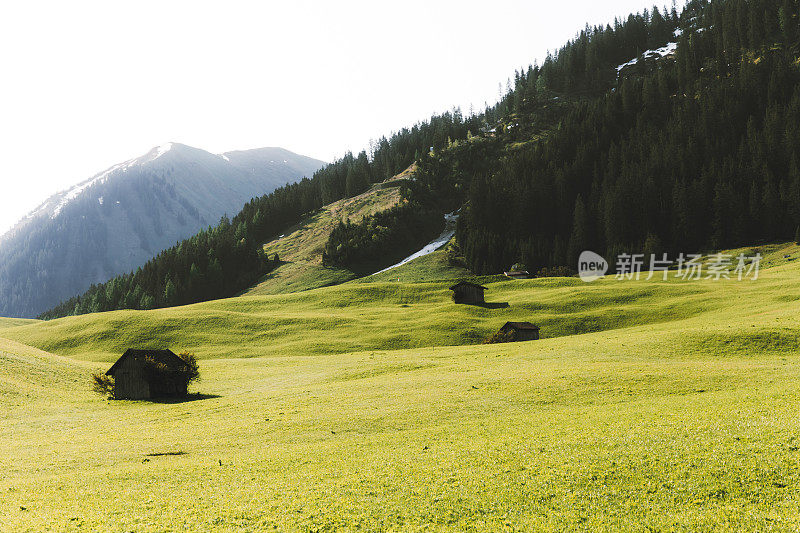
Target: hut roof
[[467, 284], [520, 325], [165, 357]]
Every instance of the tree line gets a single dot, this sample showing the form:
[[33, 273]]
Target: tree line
[[684, 154]]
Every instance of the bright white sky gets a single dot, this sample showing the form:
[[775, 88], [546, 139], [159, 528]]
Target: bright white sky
[[88, 84]]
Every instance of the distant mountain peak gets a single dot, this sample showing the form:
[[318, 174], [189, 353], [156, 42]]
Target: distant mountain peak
[[253, 161], [119, 218]]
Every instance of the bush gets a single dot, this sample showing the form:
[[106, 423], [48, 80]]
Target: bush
[[501, 337], [103, 384], [555, 272], [193, 372]]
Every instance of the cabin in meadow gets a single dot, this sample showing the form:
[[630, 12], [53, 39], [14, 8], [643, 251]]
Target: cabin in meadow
[[465, 292], [520, 331], [145, 374]]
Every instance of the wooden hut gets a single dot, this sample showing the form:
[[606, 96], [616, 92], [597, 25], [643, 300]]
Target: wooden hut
[[145, 374], [465, 292], [521, 331]]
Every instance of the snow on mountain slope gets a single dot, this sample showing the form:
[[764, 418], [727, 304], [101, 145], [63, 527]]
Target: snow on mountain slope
[[447, 234], [668, 50], [665, 51], [116, 220]]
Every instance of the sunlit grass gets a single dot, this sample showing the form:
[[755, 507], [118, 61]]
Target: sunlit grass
[[652, 405]]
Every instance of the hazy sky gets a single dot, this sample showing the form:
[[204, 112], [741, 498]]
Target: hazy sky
[[88, 84]]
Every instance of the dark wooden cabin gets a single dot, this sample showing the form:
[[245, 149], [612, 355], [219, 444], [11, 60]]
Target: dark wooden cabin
[[521, 331], [465, 292], [146, 374]]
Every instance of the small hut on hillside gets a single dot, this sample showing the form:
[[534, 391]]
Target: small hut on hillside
[[145, 374], [465, 292], [521, 331]]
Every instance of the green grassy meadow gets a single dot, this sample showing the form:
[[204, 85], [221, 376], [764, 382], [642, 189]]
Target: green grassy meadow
[[648, 406]]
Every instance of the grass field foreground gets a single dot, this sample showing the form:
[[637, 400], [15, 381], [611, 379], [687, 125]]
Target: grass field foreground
[[678, 409]]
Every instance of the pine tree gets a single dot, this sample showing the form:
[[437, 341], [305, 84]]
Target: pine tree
[[579, 239], [170, 292]]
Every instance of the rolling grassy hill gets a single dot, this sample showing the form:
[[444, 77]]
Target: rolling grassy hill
[[370, 316], [12, 322], [30, 375], [651, 404], [391, 315], [300, 248]]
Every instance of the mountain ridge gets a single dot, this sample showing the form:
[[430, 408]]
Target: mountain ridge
[[299, 165], [116, 220]]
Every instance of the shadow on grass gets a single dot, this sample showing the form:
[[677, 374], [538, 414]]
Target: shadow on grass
[[164, 454], [184, 399], [493, 305], [266, 277]]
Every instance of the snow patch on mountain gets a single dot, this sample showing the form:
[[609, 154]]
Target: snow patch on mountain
[[665, 51], [449, 230], [75, 191], [163, 149], [71, 194]]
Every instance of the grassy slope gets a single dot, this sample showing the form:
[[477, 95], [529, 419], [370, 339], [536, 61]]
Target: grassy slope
[[432, 267], [301, 247], [684, 416], [370, 316], [13, 322], [29, 375]]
